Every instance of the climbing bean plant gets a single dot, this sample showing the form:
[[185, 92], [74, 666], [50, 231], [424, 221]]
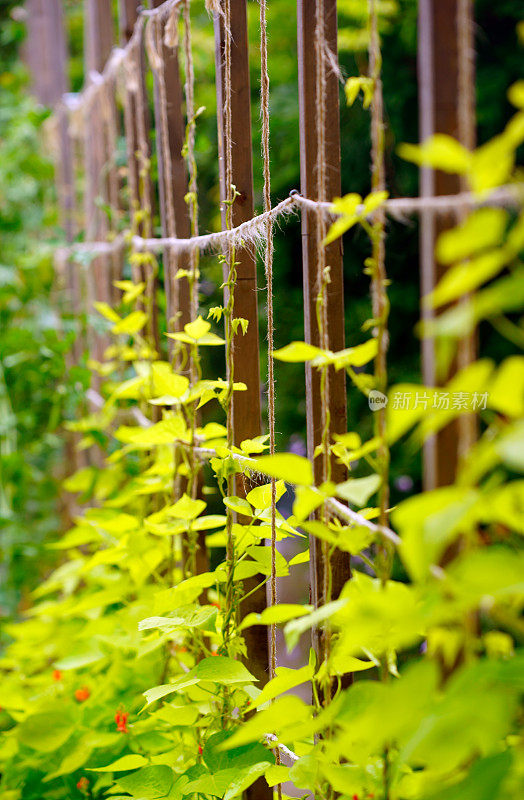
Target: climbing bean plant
[[126, 677]]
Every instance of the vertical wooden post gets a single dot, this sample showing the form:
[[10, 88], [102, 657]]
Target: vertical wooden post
[[46, 55], [46, 51], [136, 102], [175, 184], [441, 87], [98, 43], [172, 188], [336, 401], [246, 405]]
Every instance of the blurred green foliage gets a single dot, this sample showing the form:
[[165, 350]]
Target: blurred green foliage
[[32, 349]]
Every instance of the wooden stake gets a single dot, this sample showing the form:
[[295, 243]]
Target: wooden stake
[[136, 118], [336, 401], [246, 405], [98, 42], [177, 291], [442, 89]]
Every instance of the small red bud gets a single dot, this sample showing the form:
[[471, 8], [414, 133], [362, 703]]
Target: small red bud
[[121, 718], [200, 749], [82, 784], [82, 694], [57, 675]]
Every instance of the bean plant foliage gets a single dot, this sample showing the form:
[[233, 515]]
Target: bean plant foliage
[[127, 676]]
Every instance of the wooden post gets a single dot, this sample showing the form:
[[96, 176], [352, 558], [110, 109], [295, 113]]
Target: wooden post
[[443, 84], [174, 214], [139, 178], [98, 43], [46, 56], [336, 400], [46, 52], [246, 405], [172, 188]]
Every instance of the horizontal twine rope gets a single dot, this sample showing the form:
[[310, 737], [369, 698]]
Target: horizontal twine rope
[[253, 232], [97, 81]]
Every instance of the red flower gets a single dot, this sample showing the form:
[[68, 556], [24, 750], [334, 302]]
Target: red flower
[[355, 797], [82, 694], [82, 784], [200, 749], [57, 675], [217, 605], [121, 718]]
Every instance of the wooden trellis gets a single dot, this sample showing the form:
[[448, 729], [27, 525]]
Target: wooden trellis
[[116, 81]]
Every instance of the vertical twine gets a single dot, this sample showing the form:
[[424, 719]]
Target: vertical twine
[[167, 171], [228, 199], [378, 284], [466, 120], [322, 271], [144, 184], [194, 254], [189, 89], [112, 175], [268, 268]]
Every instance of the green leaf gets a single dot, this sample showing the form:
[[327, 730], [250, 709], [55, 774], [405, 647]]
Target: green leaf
[[350, 357], [197, 332], [306, 501], [260, 496], [300, 558], [186, 508], [239, 505], [131, 761], [466, 277], [377, 618], [46, 731], [284, 680], [106, 311], [277, 774], [506, 392], [492, 573], [133, 323], [262, 556], [285, 713], [245, 779], [359, 490], [428, 523], [131, 290], [148, 783], [158, 692], [286, 466], [222, 670], [483, 782], [482, 229], [77, 756], [516, 94], [82, 658], [166, 382], [217, 758], [274, 615], [297, 352], [440, 152], [294, 629]]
